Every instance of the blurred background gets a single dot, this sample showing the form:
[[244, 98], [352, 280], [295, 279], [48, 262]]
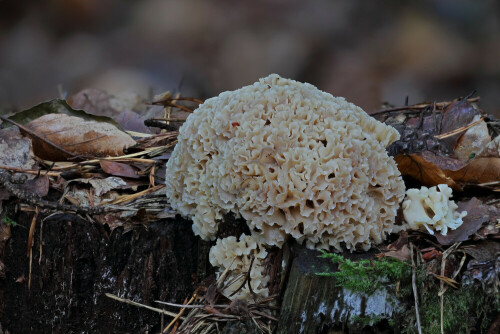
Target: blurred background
[[367, 51]]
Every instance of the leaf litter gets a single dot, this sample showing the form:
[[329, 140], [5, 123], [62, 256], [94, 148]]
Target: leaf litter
[[117, 177]]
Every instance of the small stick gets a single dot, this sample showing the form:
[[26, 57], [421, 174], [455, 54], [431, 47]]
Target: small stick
[[131, 302], [186, 109], [439, 105], [28, 171], [414, 285], [459, 130]]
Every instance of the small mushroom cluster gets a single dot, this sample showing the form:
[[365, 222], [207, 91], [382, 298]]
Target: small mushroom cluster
[[293, 161], [431, 209]]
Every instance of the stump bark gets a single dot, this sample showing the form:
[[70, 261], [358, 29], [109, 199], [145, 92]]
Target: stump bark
[[80, 261]]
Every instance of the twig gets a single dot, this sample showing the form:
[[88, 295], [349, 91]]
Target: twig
[[247, 278], [186, 109], [414, 285], [179, 314], [159, 124], [131, 302], [188, 306], [37, 201], [169, 119], [459, 130], [28, 171], [420, 106]]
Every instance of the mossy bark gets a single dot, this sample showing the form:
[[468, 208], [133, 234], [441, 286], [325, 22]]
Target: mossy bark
[[317, 304], [314, 303]]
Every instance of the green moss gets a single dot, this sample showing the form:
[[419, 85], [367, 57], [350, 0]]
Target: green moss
[[7, 220], [364, 275], [464, 309], [367, 321]]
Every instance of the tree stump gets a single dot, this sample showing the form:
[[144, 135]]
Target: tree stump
[[80, 261]]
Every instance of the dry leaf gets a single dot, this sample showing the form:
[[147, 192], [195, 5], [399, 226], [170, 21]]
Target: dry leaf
[[431, 169], [431, 255], [78, 136], [472, 141], [132, 121], [39, 185], [93, 101], [119, 169], [477, 214], [424, 167], [402, 254], [15, 150], [456, 115]]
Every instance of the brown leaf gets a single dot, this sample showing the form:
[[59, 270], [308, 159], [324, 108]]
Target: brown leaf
[[39, 186], [431, 169], [484, 250], [132, 121], [399, 248], [15, 149], [477, 214], [119, 169], [472, 141], [78, 136], [456, 115], [431, 255], [479, 170], [93, 101], [402, 254], [112, 220], [418, 166]]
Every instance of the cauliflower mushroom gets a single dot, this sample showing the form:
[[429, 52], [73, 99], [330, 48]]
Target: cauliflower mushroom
[[431, 209], [236, 256], [292, 161]]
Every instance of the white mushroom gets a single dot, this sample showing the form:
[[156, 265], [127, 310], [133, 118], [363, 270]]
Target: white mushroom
[[237, 256], [292, 161], [431, 209]]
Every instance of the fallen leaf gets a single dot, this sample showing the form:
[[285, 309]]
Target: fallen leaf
[[56, 106], [431, 255], [492, 149], [21, 279], [119, 169], [485, 250], [39, 185], [398, 249], [93, 101], [480, 170], [402, 254], [78, 136], [132, 121], [456, 115], [424, 167], [477, 214], [472, 141], [431, 169], [15, 150]]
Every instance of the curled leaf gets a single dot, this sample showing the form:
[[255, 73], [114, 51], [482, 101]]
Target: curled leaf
[[79, 136]]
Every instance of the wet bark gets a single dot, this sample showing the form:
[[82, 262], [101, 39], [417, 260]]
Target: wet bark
[[316, 304], [81, 261]]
